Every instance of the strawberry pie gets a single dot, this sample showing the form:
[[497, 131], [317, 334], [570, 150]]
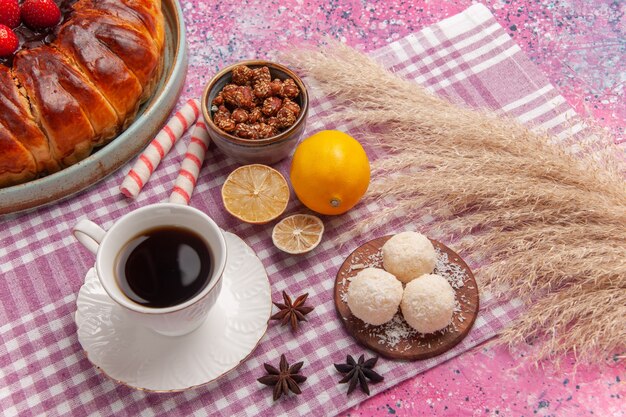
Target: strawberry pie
[[72, 76]]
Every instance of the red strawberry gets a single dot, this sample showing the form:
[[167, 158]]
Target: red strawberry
[[9, 13], [8, 41], [40, 14]]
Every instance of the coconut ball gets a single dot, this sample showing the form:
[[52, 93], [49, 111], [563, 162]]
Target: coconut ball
[[409, 255], [428, 303], [374, 296]]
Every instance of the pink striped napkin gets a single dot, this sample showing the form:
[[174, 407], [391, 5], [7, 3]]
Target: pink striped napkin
[[43, 370]]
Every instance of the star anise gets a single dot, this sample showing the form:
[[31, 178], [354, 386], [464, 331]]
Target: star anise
[[358, 372], [283, 379], [290, 312]]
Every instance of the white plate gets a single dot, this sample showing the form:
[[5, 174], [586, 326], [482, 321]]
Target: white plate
[[142, 359]]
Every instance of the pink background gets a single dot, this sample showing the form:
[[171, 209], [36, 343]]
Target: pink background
[[578, 44]]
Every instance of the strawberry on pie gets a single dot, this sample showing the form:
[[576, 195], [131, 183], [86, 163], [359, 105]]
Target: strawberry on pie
[[40, 14], [9, 13], [8, 41]]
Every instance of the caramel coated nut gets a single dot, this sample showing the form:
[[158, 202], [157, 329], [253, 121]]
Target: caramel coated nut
[[261, 74], [253, 106], [277, 87], [271, 106], [223, 119], [240, 116], [290, 89], [291, 105], [266, 131], [219, 99], [263, 89], [285, 118], [256, 115], [242, 75], [246, 131]]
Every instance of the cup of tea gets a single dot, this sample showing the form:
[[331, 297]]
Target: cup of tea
[[162, 263]]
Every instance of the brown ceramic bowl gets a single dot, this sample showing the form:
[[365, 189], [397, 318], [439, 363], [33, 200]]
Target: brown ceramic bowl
[[260, 151]]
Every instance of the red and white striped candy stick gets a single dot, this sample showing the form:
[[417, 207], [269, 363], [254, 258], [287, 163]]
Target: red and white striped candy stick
[[159, 147], [190, 168]]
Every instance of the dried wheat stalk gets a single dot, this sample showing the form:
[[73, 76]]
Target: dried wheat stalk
[[549, 226]]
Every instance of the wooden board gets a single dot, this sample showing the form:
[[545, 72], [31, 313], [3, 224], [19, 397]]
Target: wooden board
[[400, 341]]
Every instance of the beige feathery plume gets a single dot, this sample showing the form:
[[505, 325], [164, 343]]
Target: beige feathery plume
[[550, 226]]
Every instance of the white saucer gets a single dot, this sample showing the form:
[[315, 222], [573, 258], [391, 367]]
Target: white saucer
[[142, 359]]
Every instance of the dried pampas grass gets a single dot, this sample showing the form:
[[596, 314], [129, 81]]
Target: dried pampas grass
[[547, 226]]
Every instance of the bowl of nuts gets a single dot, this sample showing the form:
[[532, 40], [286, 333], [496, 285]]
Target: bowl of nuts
[[255, 111]]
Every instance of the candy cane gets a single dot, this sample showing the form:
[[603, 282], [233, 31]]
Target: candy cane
[[190, 168], [159, 147]]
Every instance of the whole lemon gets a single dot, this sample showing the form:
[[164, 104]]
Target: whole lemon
[[330, 172]]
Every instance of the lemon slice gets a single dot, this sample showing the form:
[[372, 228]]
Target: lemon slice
[[255, 193], [299, 233]]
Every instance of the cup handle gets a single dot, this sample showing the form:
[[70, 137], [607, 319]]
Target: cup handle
[[89, 234]]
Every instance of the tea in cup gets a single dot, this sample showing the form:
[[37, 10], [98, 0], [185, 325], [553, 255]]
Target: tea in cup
[[162, 263]]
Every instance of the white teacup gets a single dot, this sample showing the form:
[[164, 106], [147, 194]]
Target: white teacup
[[176, 320]]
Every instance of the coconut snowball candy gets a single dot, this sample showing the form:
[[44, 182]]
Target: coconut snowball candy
[[374, 296], [428, 303], [409, 255]]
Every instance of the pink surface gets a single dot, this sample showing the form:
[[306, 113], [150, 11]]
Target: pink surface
[[578, 44], [43, 370], [497, 382]]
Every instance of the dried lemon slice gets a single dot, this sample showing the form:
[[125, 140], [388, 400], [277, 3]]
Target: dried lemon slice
[[299, 233], [255, 193]]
